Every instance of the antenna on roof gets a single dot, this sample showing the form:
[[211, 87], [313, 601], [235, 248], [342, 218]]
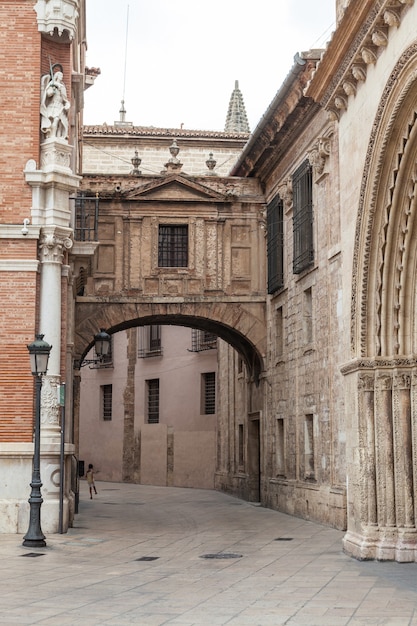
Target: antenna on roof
[[122, 110]]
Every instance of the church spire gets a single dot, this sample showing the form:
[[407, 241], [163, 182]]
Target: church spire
[[236, 120]]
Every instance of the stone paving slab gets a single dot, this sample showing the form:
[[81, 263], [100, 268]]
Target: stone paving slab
[[135, 554]]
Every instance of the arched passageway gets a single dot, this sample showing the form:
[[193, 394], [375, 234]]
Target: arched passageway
[[154, 454]]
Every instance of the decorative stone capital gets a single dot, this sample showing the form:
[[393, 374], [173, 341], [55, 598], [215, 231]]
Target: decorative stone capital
[[53, 245], [285, 192], [318, 155], [57, 17]]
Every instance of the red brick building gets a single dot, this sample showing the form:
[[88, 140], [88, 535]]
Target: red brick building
[[41, 82]]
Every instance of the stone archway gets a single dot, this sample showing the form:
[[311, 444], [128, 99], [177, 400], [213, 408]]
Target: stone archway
[[382, 378], [241, 326]]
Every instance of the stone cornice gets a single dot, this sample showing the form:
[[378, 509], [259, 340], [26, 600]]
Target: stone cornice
[[362, 33], [19, 265], [286, 117]]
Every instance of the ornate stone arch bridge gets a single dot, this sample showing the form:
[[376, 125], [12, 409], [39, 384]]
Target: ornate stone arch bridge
[[178, 250], [173, 250]]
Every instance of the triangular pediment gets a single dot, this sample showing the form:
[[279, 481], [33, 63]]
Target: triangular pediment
[[173, 188]]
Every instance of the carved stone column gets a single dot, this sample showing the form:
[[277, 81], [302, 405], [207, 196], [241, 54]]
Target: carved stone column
[[382, 476], [53, 243]]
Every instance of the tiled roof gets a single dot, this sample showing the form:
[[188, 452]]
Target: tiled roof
[[150, 131]]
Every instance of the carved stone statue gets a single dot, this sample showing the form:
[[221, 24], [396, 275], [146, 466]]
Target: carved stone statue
[[54, 106]]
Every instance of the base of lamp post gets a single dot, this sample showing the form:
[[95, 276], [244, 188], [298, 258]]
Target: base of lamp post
[[34, 537]]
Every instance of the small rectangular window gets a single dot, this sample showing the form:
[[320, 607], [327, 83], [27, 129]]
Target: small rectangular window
[[152, 389], [241, 441], [106, 402], [279, 332], [209, 393], [280, 448], [149, 340], [309, 468], [202, 340], [308, 316], [173, 245], [275, 244]]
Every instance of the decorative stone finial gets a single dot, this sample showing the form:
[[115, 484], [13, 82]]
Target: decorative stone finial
[[136, 161], [211, 164], [173, 164]]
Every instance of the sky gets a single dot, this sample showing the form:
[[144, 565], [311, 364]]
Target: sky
[[175, 62]]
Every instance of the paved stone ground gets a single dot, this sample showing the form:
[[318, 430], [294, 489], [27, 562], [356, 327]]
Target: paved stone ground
[[289, 571]]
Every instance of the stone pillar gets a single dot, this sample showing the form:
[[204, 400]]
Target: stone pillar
[[52, 185], [382, 474], [53, 242]]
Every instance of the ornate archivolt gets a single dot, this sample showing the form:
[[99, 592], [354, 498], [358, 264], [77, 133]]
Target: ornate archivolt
[[385, 258], [372, 37]]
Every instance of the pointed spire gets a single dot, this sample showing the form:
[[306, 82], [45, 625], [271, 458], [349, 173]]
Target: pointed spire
[[236, 120]]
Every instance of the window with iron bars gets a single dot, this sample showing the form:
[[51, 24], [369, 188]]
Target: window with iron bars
[[302, 185], [275, 244], [86, 217], [173, 245], [202, 340], [149, 341], [208, 393], [106, 402], [152, 392]]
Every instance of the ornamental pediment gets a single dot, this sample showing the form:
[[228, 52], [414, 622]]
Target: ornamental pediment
[[175, 188], [57, 17]]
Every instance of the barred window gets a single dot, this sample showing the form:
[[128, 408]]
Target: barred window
[[202, 340], [106, 402], [173, 245], [275, 244], [152, 391], [209, 393], [303, 218], [149, 340], [86, 217]]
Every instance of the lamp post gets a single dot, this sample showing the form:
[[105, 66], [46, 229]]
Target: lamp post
[[102, 343], [39, 353]]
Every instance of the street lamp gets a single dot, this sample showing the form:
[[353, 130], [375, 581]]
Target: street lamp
[[39, 354], [102, 342]]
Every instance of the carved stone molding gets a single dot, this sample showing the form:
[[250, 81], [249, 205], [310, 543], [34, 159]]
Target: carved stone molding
[[285, 193], [361, 306], [320, 152], [53, 245], [50, 406], [57, 17], [337, 69], [56, 155]]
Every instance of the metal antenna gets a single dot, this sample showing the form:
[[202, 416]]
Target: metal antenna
[[122, 110]]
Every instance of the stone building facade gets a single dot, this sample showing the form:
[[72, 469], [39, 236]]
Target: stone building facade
[[302, 259], [336, 155], [168, 375]]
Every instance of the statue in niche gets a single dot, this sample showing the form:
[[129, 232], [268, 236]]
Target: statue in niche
[[54, 104]]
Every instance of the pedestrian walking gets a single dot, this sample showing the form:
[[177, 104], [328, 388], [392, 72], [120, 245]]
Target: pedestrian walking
[[90, 480]]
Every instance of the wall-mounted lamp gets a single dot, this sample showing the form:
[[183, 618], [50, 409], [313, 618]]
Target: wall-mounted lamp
[[102, 347]]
